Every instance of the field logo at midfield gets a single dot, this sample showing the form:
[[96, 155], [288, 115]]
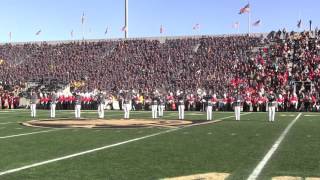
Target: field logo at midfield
[[112, 123]]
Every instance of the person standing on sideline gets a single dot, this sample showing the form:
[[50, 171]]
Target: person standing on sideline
[[272, 103], [33, 103], [237, 105], [181, 106], [209, 109], [53, 102], [154, 106], [101, 103], [77, 106], [161, 106], [126, 106]]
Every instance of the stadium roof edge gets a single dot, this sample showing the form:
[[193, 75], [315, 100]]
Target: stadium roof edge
[[160, 38]]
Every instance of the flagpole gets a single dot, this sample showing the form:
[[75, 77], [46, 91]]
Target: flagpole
[[249, 20], [126, 19], [82, 31], [82, 25], [9, 37]]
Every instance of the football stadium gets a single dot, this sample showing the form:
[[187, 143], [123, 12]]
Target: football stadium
[[82, 98]]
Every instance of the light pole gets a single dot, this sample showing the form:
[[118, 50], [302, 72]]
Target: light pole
[[126, 19]]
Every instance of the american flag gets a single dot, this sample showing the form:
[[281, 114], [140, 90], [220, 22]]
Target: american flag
[[124, 29], [196, 26], [82, 18], [38, 32], [299, 23], [161, 29], [106, 32], [245, 9], [257, 23]]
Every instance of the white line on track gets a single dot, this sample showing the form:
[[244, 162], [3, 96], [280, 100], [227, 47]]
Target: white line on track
[[98, 149], [256, 172], [26, 134]]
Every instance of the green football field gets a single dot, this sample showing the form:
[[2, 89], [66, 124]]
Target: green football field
[[250, 149]]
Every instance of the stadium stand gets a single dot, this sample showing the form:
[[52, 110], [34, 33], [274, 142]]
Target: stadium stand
[[286, 63]]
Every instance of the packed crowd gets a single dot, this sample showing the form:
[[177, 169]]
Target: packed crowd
[[200, 68], [9, 98]]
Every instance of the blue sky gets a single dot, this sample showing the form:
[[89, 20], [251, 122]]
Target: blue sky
[[56, 18]]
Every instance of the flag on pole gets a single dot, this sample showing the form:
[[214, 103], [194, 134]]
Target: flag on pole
[[106, 32], [236, 25], [38, 32], [257, 23], [245, 9], [196, 26], [299, 23], [82, 18], [124, 29], [71, 33], [161, 29]]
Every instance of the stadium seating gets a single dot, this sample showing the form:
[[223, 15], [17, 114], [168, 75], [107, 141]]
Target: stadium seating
[[283, 62]]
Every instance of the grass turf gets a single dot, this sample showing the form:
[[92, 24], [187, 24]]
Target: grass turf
[[229, 146]]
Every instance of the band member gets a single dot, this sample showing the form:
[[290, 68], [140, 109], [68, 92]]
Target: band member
[[271, 106], [53, 102], [307, 102], [101, 104], [170, 101], [191, 100], [33, 103], [214, 101], [45, 101], [181, 106], [314, 102], [126, 106], [280, 102], [294, 102], [209, 109], [318, 105], [224, 102], [78, 101], [248, 103], [237, 105], [261, 103], [154, 106], [161, 106]]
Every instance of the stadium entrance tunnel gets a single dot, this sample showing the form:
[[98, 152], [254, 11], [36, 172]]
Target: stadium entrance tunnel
[[110, 123]]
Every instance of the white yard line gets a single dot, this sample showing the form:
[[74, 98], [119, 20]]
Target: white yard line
[[98, 149], [26, 134], [311, 115], [256, 172], [9, 123]]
